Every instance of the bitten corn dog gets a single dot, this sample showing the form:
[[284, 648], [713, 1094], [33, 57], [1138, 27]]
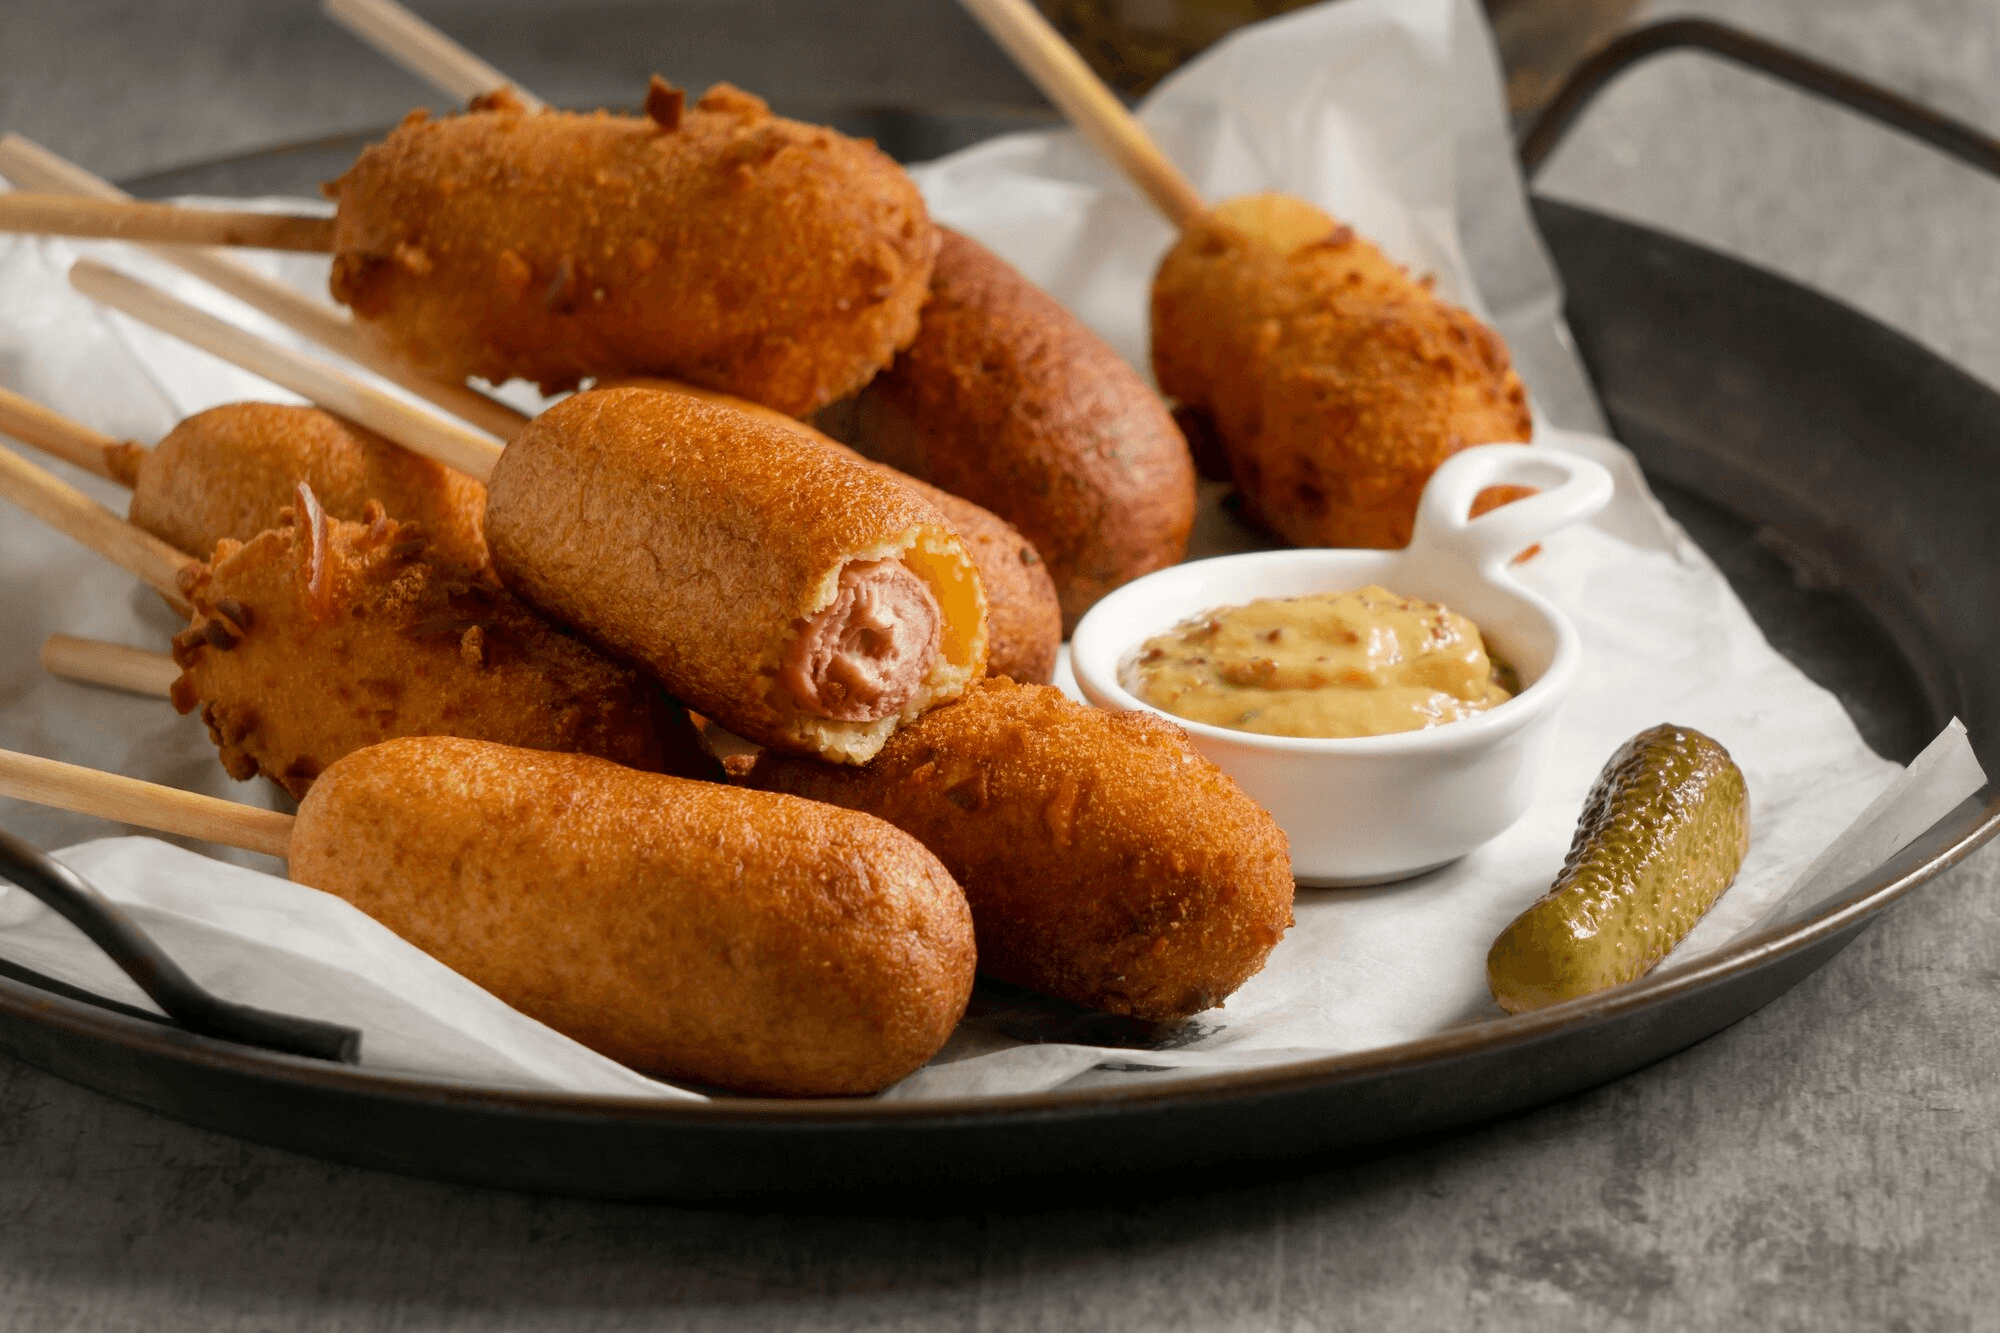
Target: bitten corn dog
[[1334, 381], [1105, 860], [1023, 617], [229, 471], [801, 599], [714, 243]]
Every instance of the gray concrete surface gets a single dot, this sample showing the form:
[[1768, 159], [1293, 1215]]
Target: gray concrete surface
[[1828, 1163], [1726, 157]]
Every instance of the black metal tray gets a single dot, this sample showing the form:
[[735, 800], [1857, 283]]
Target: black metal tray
[[1777, 425]]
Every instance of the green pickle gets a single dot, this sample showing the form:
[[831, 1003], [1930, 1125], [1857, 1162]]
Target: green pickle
[[1661, 837]]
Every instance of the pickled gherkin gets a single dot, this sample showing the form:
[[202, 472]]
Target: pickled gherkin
[[1661, 836]]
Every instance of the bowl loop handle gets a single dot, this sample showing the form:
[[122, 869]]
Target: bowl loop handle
[[1570, 489]]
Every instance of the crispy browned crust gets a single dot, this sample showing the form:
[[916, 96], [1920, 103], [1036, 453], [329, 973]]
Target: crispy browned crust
[[781, 262], [393, 643], [1105, 860], [1335, 382], [697, 539], [230, 471], [1008, 400], [1023, 617], [690, 930]]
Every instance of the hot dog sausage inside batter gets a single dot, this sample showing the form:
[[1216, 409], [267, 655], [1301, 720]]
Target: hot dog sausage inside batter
[[861, 657]]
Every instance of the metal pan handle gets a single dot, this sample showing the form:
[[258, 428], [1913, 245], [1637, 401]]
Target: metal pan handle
[[1953, 137], [158, 975]]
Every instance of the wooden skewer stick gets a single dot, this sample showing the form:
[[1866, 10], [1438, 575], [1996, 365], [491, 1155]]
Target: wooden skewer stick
[[169, 224], [74, 514], [33, 167], [29, 165], [1054, 67], [88, 791], [112, 665], [422, 49], [334, 390], [72, 441]]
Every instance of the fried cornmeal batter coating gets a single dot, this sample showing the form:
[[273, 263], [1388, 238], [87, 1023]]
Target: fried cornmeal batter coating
[[230, 471], [798, 597], [1106, 861], [690, 930], [317, 638], [1009, 400], [718, 244], [1335, 382], [1023, 617]]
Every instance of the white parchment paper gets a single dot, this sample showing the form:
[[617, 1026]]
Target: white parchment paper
[[1385, 112], [284, 947]]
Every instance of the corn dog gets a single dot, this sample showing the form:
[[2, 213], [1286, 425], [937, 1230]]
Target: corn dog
[[1023, 616], [1106, 862], [716, 244], [229, 471], [1335, 383], [804, 601], [695, 931]]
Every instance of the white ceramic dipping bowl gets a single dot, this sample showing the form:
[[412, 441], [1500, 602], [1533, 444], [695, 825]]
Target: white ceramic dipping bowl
[[1371, 809]]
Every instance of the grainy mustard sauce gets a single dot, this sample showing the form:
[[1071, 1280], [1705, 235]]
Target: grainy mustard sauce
[[1361, 663]]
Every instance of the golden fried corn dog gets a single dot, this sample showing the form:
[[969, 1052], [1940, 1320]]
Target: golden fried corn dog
[[690, 930], [1023, 617], [320, 637], [1105, 860], [717, 244], [230, 471], [1007, 399], [803, 600], [1334, 381]]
